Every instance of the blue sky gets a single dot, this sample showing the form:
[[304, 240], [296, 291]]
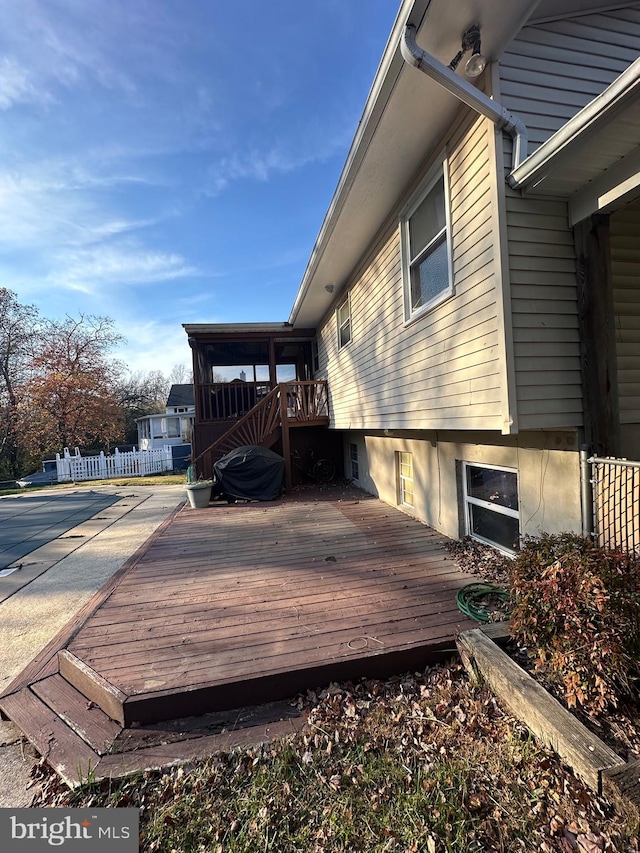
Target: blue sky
[[171, 161]]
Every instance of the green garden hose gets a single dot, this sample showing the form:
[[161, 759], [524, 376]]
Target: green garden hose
[[469, 599]]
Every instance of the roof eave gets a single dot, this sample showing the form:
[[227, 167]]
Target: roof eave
[[410, 12], [404, 117], [596, 113]]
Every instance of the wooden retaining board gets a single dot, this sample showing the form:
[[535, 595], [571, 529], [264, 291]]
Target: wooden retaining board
[[544, 715]]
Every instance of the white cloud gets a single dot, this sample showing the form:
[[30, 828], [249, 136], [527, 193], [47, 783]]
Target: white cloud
[[93, 269], [49, 204], [153, 345], [310, 146], [17, 86], [253, 165]]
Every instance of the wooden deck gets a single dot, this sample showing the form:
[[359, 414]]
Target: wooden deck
[[238, 605]]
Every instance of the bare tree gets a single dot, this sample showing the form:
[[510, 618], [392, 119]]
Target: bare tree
[[180, 375], [140, 394]]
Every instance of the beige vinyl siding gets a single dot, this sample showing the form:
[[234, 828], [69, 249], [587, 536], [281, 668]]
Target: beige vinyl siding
[[442, 369], [544, 313], [554, 68], [625, 267]]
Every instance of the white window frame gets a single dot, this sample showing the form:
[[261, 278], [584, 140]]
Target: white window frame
[[469, 501], [440, 170], [340, 326], [402, 479]]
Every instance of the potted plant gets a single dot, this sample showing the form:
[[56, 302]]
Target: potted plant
[[198, 491]]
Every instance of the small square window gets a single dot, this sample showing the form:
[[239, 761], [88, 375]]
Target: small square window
[[343, 318], [426, 246], [353, 461], [405, 479], [492, 506]]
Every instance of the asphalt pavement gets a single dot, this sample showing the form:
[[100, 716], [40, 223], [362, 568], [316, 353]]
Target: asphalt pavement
[[57, 548]]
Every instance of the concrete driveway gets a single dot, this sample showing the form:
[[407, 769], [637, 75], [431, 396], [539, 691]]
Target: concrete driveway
[[67, 545]]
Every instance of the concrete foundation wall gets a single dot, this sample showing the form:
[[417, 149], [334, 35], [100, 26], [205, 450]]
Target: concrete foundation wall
[[547, 465]]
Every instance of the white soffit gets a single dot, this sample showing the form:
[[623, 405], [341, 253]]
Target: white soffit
[[553, 10], [405, 115]]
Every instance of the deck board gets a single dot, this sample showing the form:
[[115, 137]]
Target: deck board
[[230, 595]]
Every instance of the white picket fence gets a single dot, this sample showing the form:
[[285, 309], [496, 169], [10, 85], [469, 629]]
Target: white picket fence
[[135, 463]]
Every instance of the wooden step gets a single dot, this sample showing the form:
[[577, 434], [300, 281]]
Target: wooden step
[[164, 704], [69, 754], [92, 685], [81, 714], [59, 722]]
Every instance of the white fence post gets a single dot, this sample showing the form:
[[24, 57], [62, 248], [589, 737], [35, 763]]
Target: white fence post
[[62, 469]]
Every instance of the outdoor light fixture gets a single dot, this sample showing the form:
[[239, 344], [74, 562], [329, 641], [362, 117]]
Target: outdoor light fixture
[[329, 288], [476, 63]]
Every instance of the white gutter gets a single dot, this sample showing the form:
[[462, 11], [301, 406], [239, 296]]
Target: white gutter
[[596, 109], [465, 92]]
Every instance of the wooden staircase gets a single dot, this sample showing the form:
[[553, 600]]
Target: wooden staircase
[[287, 405]]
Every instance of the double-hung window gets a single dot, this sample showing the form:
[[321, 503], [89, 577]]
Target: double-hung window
[[426, 245], [493, 511], [343, 319], [404, 463]]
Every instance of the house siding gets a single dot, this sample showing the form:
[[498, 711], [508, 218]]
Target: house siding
[[625, 262], [544, 308], [554, 68], [441, 370]]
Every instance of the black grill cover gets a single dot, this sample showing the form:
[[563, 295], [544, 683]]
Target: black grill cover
[[251, 473]]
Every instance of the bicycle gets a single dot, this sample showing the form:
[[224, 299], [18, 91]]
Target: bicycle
[[320, 470]]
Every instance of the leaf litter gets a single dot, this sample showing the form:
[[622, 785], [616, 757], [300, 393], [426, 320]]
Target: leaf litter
[[420, 762]]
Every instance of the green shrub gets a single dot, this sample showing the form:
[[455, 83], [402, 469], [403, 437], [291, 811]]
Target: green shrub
[[576, 607]]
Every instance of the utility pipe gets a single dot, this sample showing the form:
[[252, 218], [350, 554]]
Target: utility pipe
[[586, 492], [465, 92]]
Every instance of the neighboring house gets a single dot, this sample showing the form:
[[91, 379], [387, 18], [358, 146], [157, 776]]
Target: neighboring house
[[473, 297], [173, 426]]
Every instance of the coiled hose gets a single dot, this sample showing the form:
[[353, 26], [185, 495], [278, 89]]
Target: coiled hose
[[470, 599]]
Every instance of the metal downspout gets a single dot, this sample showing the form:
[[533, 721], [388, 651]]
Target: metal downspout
[[465, 92]]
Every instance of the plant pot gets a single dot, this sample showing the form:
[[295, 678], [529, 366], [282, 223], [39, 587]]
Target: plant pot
[[199, 495]]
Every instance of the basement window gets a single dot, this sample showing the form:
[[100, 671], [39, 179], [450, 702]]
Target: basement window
[[426, 246], [405, 479], [492, 506]]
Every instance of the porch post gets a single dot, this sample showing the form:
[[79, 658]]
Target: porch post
[[597, 336], [197, 379], [272, 363], [286, 445]]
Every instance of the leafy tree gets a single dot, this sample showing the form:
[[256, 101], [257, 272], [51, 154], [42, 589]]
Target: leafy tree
[[18, 330], [70, 399]]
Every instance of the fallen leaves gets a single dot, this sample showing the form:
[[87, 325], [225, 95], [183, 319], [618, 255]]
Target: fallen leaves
[[423, 762]]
